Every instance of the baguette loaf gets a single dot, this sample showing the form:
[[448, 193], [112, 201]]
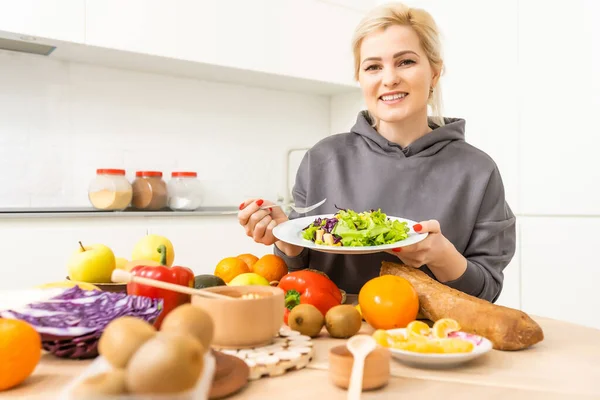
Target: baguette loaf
[[506, 328]]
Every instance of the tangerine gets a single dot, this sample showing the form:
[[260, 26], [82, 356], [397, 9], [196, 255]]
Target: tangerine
[[382, 338], [270, 267], [230, 267], [442, 327], [20, 352], [388, 302], [417, 328], [249, 259]]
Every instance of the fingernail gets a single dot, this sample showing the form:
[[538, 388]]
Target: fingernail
[[242, 205], [259, 202], [397, 249], [417, 227]]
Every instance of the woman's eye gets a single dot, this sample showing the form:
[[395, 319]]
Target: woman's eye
[[372, 68], [405, 62]]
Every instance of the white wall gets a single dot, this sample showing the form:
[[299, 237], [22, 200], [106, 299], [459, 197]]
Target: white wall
[[524, 74], [60, 121]]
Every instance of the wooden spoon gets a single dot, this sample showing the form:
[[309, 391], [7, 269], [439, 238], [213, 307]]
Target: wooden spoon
[[122, 276], [360, 346]]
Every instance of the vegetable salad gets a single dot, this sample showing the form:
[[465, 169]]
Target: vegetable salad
[[351, 229]]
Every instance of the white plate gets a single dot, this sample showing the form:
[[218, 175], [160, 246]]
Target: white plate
[[291, 232], [433, 360]]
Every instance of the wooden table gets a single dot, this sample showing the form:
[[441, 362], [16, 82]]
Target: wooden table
[[565, 365]]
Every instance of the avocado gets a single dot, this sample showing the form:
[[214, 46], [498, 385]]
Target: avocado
[[204, 281]]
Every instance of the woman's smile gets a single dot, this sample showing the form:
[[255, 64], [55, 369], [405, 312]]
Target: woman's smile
[[392, 98]]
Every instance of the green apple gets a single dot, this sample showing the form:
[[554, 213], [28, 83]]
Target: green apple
[[249, 278], [92, 263]]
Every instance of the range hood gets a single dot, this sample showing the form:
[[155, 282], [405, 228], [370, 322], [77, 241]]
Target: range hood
[[26, 47]]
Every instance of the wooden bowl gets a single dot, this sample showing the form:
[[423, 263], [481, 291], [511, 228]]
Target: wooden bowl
[[376, 371], [244, 322]]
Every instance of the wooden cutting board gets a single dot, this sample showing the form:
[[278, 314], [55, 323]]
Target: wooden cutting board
[[565, 362], [289, 351], [231, 375]]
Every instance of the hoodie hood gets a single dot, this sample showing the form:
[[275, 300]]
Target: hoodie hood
[[427, 145]]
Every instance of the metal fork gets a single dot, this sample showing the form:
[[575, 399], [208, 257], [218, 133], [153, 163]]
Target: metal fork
[[299, 210]]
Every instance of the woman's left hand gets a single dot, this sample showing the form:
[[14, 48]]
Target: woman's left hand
[[435, 251]]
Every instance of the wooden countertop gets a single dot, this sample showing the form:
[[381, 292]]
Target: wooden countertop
[[564, 365]]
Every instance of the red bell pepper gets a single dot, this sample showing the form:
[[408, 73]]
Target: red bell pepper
[[307, 287], [177, 275]]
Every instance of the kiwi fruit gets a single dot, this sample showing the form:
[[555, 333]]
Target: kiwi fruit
[[306, 319], [343, 321], [167, 363], [105, 383], [190, 319], [121, 339]]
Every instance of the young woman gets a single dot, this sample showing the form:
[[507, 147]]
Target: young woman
[[407, 163]]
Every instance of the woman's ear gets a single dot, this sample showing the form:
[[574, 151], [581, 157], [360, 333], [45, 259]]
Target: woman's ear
[[436, 76]]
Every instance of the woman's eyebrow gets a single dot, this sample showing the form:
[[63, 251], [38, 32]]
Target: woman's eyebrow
[[398, 54]]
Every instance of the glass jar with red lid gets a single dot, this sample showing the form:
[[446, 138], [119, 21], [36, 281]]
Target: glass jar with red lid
[[149, 191], [185, 191], [110, 190]]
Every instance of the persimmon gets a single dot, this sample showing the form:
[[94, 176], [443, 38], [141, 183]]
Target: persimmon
[[388, 302]]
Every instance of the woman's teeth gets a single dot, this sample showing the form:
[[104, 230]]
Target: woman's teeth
[[393, 97]]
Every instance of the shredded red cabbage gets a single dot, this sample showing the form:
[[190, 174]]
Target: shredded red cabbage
[[72, 322], [330, 224], [475, 339]]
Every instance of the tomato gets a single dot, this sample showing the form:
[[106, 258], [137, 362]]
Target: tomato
[[388, 302]]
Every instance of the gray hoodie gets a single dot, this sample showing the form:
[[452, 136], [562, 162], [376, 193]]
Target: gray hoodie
[[439, 176]]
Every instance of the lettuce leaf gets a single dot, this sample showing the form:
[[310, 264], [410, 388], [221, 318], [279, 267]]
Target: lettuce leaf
[[368, 228]]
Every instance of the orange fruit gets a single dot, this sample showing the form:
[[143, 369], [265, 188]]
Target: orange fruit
[[382, 338], [417, 328], [270, 267], [428, 346], [249, 259], [442, 327], [20, 352], [388, 302], [230, 267], [455, 346]]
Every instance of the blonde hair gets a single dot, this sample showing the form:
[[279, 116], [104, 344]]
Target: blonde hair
[[426, 29]]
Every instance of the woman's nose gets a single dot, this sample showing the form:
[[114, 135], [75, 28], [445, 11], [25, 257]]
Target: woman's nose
[[390, 77]]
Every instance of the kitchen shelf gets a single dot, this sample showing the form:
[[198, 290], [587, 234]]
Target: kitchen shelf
[[84, 212]]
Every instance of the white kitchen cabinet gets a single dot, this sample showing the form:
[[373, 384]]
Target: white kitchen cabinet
[[182, 29], [200, 243], [359, 5], [560, 269], [51, 19], [559, 97], [284, 37], [36, 250]]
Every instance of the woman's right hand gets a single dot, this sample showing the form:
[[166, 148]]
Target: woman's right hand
[[259, 223]]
